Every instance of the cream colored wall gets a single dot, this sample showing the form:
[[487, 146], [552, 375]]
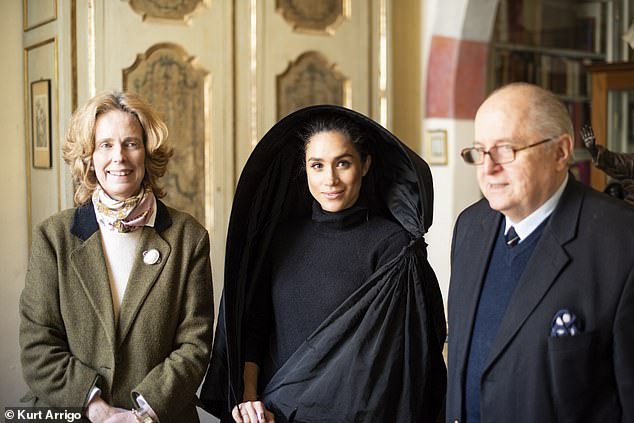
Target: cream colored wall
[[455, 188], [13, 243], [455, 184]]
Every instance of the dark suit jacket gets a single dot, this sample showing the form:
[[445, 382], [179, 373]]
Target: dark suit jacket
[[584, 262], [160, 347]]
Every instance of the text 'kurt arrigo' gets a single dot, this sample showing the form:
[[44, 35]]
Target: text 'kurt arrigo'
[[42, 414]]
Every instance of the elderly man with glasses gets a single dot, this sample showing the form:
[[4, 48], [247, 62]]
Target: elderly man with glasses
[[541, 298]]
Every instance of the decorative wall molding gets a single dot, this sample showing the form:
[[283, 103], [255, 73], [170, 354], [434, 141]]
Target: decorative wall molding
[[38, 13], [311, 80], [166, 9], [172, 82], [73, 55], [43, 189], [322, 16]]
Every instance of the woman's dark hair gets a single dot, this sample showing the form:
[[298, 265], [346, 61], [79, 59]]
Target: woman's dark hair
[[335, 123], [363, 142]]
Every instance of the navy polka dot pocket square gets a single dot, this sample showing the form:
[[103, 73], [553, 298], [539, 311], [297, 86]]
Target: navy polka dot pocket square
[[564, 324]]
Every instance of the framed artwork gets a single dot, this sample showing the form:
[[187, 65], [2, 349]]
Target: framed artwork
[[41, 123], [436, 147]]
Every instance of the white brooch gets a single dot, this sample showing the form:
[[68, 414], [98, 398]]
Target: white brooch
[[151, 256]]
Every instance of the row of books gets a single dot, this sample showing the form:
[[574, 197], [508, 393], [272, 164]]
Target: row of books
[[564, 24], [564, 76]]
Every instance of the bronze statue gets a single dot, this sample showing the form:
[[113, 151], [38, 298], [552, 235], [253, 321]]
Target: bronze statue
[[619, 166]]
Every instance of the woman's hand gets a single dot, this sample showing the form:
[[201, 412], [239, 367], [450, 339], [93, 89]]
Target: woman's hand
[[252, 412], [125, 416], [100, 411]]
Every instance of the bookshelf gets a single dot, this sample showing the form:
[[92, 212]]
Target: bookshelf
[[612, 110], [551, 43]]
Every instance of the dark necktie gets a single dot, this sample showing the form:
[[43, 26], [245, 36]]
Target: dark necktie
[[511, 237]]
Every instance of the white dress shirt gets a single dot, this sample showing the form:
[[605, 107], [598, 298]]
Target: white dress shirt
[[527, 225]]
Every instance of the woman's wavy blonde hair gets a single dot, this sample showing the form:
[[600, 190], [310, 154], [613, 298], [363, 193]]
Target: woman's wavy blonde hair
[[79, 142]]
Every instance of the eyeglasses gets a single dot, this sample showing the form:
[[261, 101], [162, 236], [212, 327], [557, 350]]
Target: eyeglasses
[[500, 154]]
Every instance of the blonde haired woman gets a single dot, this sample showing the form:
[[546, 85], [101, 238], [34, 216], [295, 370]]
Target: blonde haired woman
[[117, 309]]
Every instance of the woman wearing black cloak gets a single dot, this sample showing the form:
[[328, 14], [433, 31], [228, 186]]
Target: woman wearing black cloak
[[330, 310]]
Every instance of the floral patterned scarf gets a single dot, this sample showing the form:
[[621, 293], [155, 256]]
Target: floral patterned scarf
[[123, 215]]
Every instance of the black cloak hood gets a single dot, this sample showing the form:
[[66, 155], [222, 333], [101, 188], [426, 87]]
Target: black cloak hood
[[378, 357]]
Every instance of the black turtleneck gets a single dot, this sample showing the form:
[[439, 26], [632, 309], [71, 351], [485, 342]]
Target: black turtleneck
[[315, 264]]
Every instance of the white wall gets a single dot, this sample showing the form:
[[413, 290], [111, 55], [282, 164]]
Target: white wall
[[455, 187], [14, 239]]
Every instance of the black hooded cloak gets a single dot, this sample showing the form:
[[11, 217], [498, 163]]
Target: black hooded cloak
[[378, 356]]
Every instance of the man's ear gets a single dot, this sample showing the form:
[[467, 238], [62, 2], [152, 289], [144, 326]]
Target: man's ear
[[564, 149], [366, 164]]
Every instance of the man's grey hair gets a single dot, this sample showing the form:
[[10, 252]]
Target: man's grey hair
[[546, 114]]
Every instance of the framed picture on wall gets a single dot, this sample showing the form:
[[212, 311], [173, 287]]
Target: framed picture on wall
[[41, 123], [436, 147]]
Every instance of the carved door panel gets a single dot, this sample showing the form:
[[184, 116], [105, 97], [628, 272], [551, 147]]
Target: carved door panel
[[178, 54], [295, 53]]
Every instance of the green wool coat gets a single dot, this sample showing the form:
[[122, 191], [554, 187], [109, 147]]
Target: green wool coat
[[159, 348]]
